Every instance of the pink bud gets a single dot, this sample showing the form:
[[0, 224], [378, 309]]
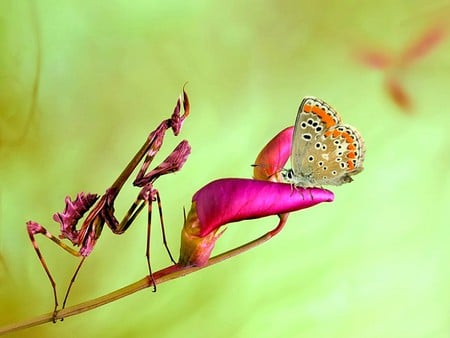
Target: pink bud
[[272, 158]]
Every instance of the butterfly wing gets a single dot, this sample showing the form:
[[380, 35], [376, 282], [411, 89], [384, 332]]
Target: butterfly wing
[[340, 153], [314, 119]]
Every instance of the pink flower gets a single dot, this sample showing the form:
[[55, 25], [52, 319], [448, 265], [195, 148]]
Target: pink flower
[[235, 199]]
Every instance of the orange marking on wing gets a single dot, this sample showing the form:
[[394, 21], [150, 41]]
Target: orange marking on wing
[[350, 164], [347, 137], [336, 133], [307, 108], [351, 147], [327, 119], [351, 155]]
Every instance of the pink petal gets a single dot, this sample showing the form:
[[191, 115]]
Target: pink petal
[[272, 158], [236, 199]]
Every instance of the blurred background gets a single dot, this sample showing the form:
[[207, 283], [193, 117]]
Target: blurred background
[[83, 83]]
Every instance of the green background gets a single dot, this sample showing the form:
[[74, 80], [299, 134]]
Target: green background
[[374, 263]]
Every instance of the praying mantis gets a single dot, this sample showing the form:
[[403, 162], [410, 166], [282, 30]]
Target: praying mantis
[[100, 209]]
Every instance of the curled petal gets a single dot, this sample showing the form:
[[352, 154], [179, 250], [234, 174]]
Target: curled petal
[[231, 200], [272, 158]]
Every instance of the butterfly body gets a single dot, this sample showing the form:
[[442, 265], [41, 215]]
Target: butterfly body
[[325, 151]]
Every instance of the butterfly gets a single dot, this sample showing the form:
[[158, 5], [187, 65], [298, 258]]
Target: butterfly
[[325, 151]]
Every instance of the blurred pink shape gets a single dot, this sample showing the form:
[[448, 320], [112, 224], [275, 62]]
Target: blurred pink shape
[[397, 64], [398, 94], [424, 44], [374, 59]]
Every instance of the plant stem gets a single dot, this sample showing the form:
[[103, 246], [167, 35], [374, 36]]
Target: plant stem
[[161, 276]]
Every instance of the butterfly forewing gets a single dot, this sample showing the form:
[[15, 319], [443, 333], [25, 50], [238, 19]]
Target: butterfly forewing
[[314, 118]]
